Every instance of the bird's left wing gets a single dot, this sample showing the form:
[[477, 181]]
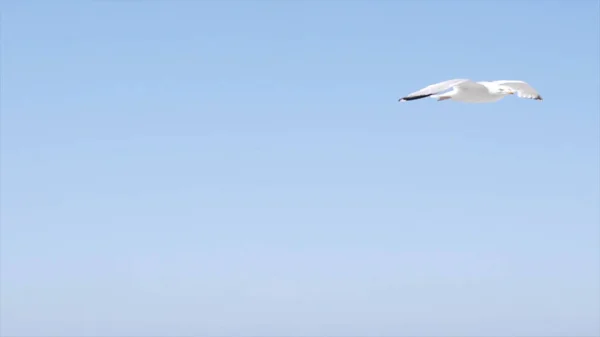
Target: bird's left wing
[[434, 89], [523, 89]]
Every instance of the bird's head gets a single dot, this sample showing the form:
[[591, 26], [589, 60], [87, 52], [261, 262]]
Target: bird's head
[[504, 90]]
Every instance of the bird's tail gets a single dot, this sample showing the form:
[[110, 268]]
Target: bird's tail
[[440, 97]]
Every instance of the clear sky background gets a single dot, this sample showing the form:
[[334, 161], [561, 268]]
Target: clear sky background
[[243, 168]]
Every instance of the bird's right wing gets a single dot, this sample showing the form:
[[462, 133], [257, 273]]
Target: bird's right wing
[[523, 89], [437, 88]]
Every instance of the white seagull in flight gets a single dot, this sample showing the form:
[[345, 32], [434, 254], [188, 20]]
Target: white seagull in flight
[[467, 91]]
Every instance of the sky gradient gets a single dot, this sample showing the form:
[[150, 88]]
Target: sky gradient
[[243, 168]]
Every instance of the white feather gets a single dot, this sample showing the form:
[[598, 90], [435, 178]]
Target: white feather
[[523, 89]]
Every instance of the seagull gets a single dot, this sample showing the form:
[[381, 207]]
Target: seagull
[[467, 91]]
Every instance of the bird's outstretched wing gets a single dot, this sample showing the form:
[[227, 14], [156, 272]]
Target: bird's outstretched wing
[[523, 89], [440, 87]]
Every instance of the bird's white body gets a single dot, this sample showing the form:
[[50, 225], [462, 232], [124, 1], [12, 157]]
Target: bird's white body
[[467, 91], [473, 94]]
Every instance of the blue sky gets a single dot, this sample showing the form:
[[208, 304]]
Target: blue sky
[[243, 168]]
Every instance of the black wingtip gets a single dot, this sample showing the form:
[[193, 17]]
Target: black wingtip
[[412, 98]]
